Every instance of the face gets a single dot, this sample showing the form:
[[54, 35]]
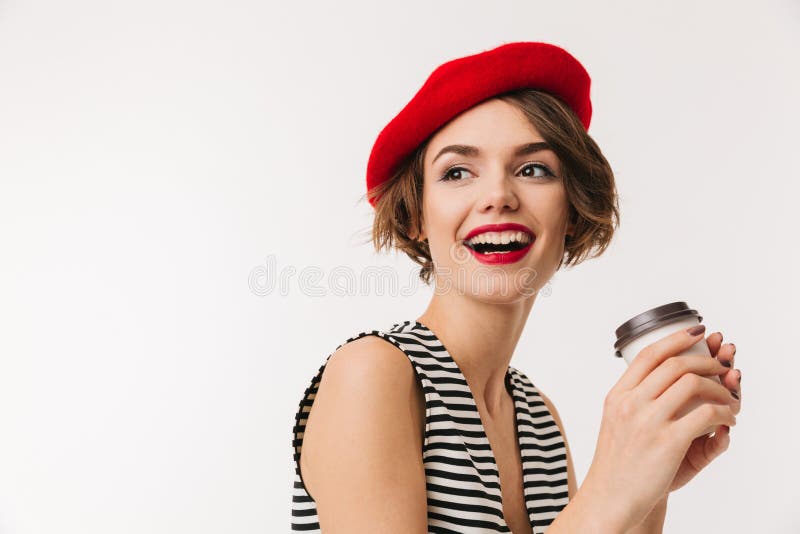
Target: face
[[485, 168]]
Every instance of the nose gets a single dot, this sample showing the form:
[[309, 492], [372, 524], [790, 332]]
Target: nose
[[498, 193]]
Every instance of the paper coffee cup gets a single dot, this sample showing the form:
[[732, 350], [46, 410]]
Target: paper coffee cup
[[649, 326], [656, 323]]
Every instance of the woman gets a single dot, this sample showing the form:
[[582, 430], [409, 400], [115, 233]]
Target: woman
[[488, 179]]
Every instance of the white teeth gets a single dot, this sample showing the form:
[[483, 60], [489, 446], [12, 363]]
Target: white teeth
[[500, 238]]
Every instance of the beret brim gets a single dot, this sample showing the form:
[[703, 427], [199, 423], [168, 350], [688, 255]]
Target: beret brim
[[459, 84]]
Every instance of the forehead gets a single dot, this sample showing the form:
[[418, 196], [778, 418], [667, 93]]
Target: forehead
[[491, 125]]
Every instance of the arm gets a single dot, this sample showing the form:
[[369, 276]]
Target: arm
[[580, 516], [585, 512], [654, 522], [361, 458]]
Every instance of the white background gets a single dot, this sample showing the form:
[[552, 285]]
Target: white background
[[155, 154]]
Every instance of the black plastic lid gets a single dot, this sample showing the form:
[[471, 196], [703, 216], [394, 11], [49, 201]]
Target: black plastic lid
[[650, 320]]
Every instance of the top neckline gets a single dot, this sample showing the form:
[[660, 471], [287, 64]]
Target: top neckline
[[509, 383], [520, 402]]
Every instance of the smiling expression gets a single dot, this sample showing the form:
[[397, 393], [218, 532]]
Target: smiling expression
[[490, 166]]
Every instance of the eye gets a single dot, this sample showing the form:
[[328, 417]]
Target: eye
[[450, 174], [544, 168]]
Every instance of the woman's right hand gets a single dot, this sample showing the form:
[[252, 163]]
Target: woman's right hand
[[650, 418]]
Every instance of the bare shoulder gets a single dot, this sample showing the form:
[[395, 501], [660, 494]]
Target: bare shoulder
[[367, 357], [361, 458], [571, 478]]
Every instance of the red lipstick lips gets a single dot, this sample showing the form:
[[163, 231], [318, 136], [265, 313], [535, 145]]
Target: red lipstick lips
[[501, 258]]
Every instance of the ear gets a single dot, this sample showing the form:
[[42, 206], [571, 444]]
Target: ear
[[571, 222]]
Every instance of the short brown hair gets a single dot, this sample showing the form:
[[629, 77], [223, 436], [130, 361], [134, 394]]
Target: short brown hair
[[587, 176]]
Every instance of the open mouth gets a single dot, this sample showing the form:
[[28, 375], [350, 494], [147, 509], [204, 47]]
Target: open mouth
[[499, 244], [496, 248]]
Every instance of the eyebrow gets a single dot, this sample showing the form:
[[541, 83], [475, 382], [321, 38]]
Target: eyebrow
[[471, 151]]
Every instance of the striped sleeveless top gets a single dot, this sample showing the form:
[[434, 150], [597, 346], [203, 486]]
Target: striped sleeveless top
[[462, 479]]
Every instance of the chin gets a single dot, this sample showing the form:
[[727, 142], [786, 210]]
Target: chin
[[498, 283]]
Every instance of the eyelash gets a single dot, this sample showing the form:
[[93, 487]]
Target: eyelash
[[444, 177]]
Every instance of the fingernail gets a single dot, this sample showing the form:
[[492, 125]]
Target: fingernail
[[696, 330], [720, 336], [734, 349], [735, 396], [726, 364]]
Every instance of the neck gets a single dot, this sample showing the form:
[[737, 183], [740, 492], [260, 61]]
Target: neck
[[481, 338]]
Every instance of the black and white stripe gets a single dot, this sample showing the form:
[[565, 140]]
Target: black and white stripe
[[462, 479]]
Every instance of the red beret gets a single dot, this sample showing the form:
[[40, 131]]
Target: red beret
[[461, 83]]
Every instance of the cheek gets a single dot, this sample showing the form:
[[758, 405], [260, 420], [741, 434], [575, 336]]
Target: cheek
[[441, 218], [551, 206]]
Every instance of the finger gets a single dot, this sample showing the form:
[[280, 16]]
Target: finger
[[655, 353], [694, 423], [722, 439], [730, 379], [732, 382], [689, 387], [726, 354], [706, 449], [713, 447], [714, 341], [670, 371], [736, 406]]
